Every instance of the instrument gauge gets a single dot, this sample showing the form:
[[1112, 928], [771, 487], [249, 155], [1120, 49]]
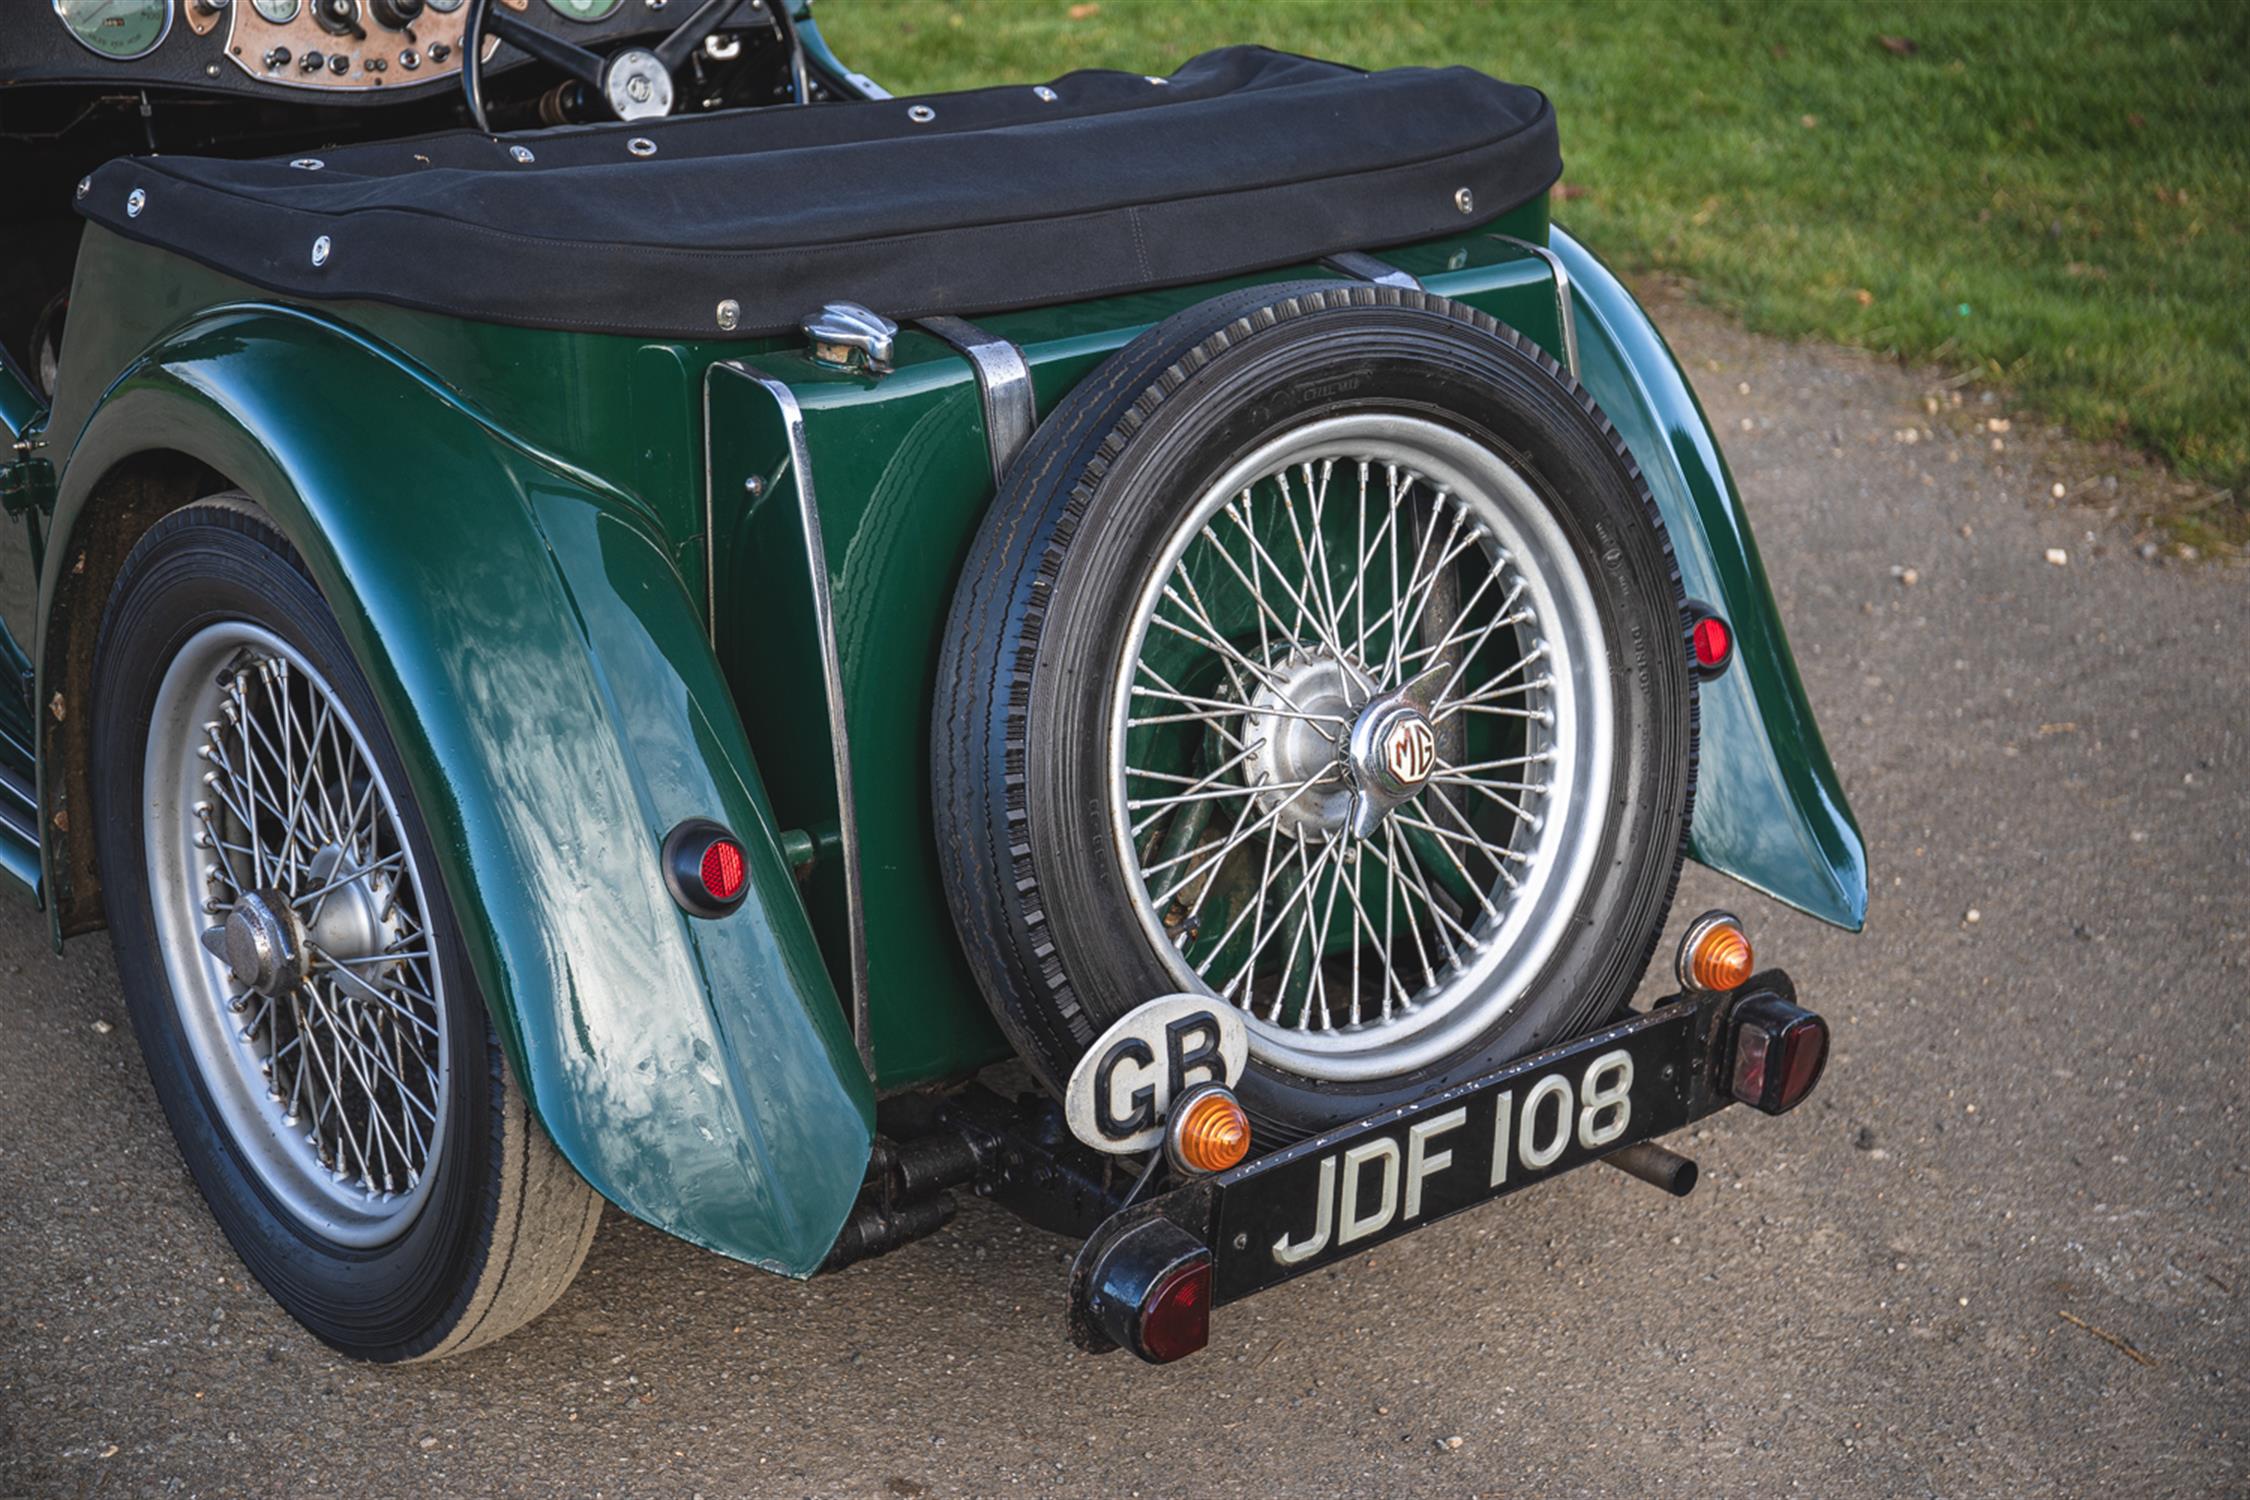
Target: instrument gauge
[[585, 10], [280, 12], [120, 30], [444, 5]]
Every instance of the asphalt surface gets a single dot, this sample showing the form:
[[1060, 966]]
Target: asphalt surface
[[2004, 1251]]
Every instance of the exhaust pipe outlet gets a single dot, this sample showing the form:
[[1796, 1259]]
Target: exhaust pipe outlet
[[1657, 1167]]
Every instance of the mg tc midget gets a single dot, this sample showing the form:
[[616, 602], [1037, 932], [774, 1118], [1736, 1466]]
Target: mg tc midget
[[605, 611]]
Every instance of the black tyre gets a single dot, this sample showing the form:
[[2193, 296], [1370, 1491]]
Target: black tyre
[[1323, 652], [291, 966]]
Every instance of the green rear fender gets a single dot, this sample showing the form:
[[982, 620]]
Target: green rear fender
[[547, 678], [1769, 809]]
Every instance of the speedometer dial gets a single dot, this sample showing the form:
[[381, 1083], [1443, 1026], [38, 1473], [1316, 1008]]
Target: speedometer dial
[[280, 12], [117, 29], [585, 10]]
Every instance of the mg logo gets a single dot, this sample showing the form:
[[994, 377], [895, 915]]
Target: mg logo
[[1410, 750]]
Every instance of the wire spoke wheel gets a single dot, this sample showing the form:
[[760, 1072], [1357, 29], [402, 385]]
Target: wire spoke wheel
[[1322, 655], [1362, 703], [294, 932]]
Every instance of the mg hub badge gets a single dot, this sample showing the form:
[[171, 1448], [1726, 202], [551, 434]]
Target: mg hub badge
[[1409, 749], [1401, 754]]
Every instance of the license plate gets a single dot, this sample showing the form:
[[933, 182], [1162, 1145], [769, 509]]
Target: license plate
[[1340, 1194]]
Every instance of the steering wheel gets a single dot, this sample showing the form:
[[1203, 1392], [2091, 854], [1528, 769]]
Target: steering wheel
[[635, 82]]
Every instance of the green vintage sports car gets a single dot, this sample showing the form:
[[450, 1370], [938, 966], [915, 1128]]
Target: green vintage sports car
[[604, 610]]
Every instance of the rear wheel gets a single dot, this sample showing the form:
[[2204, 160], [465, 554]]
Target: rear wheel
[[1323, 655], [291, 965]]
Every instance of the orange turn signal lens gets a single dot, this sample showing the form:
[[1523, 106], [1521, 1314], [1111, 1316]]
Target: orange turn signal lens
[[1208, 1130], [1715, 955]]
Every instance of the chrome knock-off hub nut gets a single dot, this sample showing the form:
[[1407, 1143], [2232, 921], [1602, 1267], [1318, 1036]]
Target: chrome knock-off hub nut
[[263, 945]]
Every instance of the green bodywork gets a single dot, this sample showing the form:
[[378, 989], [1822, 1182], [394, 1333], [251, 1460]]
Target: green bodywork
[[579, 573]]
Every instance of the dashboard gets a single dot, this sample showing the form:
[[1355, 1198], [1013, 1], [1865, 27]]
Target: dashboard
[[340, 51]]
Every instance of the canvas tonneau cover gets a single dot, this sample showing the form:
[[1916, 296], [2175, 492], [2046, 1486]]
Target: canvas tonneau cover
[[1097, 183]]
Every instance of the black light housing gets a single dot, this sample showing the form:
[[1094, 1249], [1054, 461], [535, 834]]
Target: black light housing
[[1778, 1054], [1150, 1291], [706, 868]]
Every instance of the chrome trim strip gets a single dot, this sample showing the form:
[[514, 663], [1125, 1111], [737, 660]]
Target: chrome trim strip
[[1367, 268], [19, 806], [832, 680], [1565, 304], [710, 516], [1011, 409]]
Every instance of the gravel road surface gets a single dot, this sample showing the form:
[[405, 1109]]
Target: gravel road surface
[[2004, 1251]]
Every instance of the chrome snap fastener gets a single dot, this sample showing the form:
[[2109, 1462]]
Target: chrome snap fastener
[[135, 201], [320, 249]]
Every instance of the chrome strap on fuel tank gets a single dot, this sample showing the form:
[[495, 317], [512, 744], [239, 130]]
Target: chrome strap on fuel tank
[[1564, 312], [1361, 267], [1011, 411]]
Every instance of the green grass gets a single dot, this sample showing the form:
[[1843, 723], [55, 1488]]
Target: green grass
[[2053, 195]]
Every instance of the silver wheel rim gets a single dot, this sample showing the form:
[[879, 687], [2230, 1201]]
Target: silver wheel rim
[[291, 919], [1391, 917]]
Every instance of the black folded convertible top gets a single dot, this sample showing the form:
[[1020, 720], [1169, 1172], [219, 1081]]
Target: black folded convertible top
[[999, 198]]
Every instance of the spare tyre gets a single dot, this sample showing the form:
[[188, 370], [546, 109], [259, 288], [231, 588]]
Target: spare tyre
[[1323, 653]]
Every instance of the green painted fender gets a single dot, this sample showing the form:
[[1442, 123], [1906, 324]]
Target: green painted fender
[[1769, 809], [546, 676]]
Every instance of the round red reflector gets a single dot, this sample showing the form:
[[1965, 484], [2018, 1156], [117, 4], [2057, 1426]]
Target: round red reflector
[[1714, 642], [722, 869]]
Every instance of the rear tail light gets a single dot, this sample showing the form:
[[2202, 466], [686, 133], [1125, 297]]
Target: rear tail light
[[1779, 1051], [1150, 1291], [1207, 1131], [1715, 955], [1176, 1316], [706, 868]]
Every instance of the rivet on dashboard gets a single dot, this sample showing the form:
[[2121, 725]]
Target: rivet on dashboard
[[210, 70], [920, 114], [320, 251], [85, 186], [1465, 201], [730, 314], [135, 201], [522, 154], [308, 164], [641, 145]]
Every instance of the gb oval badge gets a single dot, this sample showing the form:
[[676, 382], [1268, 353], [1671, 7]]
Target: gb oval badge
[[1121, 1088]]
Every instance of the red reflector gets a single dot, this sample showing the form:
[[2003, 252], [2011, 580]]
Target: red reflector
[[722, 869], [1714, 643], [1176, 1313], [1779, 1051]]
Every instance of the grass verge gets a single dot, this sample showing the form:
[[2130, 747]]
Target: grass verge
[[2054, 196]]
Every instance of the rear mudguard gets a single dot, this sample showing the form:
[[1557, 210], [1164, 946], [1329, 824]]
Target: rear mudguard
[[546, 676], [1769, 809]]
